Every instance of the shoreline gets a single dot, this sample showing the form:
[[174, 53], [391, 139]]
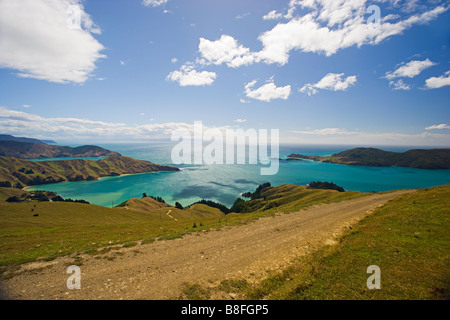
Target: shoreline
[[97, 179]]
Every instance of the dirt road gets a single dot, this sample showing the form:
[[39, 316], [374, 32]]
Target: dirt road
[[157, 270]]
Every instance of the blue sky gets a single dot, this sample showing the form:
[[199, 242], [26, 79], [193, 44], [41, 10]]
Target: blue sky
[[316, 70]]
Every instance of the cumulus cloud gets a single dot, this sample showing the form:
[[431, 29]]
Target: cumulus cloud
[[225, 50], [267, 92], [410, 69], [188, 76], [48, 40], [438, 127], [438, 82], [240, 120], [399, 85], [332, 81], [272, 15], [330, 26]]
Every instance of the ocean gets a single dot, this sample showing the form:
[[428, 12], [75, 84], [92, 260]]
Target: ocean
[[224, 183]]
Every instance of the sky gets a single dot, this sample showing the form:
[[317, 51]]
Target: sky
[[359, 72]]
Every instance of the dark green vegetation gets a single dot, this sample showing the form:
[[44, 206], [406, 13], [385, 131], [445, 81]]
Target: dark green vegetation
[[63, 228], [257, 193], [29, 173], [417, 158], [14, 195], [29, 150], [407, 238], [325, 185]]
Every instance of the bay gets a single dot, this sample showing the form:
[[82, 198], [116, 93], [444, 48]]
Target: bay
[[224, 183]]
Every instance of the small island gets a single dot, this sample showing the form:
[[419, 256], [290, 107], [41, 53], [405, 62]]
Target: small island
[[373, 157]]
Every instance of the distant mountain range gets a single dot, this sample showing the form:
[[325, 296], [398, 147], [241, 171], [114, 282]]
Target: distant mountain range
[[8, 137], [416, 158]]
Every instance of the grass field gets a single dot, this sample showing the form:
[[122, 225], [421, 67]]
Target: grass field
[[408, 238], [70, 228]]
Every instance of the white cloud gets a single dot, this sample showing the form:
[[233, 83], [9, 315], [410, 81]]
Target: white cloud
[[273, 15], [327, 131], [244, 101], [410, 69], [399, 85], [26, 106], [174, 60], [18, 122], [122, 63], [240, 120], [345, 137], [225, 50], [308, 34], [5, 113], [41, 39], [438, 127], [438, 82], [332, 81], [293, 4], [332, 25], [267, 92], [154, 3], [242, 16], [366, 138], [187, 76]]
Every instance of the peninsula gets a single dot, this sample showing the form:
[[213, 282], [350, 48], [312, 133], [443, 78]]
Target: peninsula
[[30, 150], [19, 172], [416, 158]]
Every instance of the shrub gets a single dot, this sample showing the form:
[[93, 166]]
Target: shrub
[[5, 184], [13, 199], [325, 185], [178, 205]]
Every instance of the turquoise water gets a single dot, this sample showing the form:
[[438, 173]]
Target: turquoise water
[[224, 183]]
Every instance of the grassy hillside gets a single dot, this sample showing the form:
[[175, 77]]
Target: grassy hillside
[[289, 198], [30, 150], [408, 238], [417, 158], [5, 193], [33, 173], [68, 228]]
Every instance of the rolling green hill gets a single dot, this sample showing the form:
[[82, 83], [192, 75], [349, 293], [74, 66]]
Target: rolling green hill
[[416, 158], [30, 173], [63, 228], [289, 198]]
